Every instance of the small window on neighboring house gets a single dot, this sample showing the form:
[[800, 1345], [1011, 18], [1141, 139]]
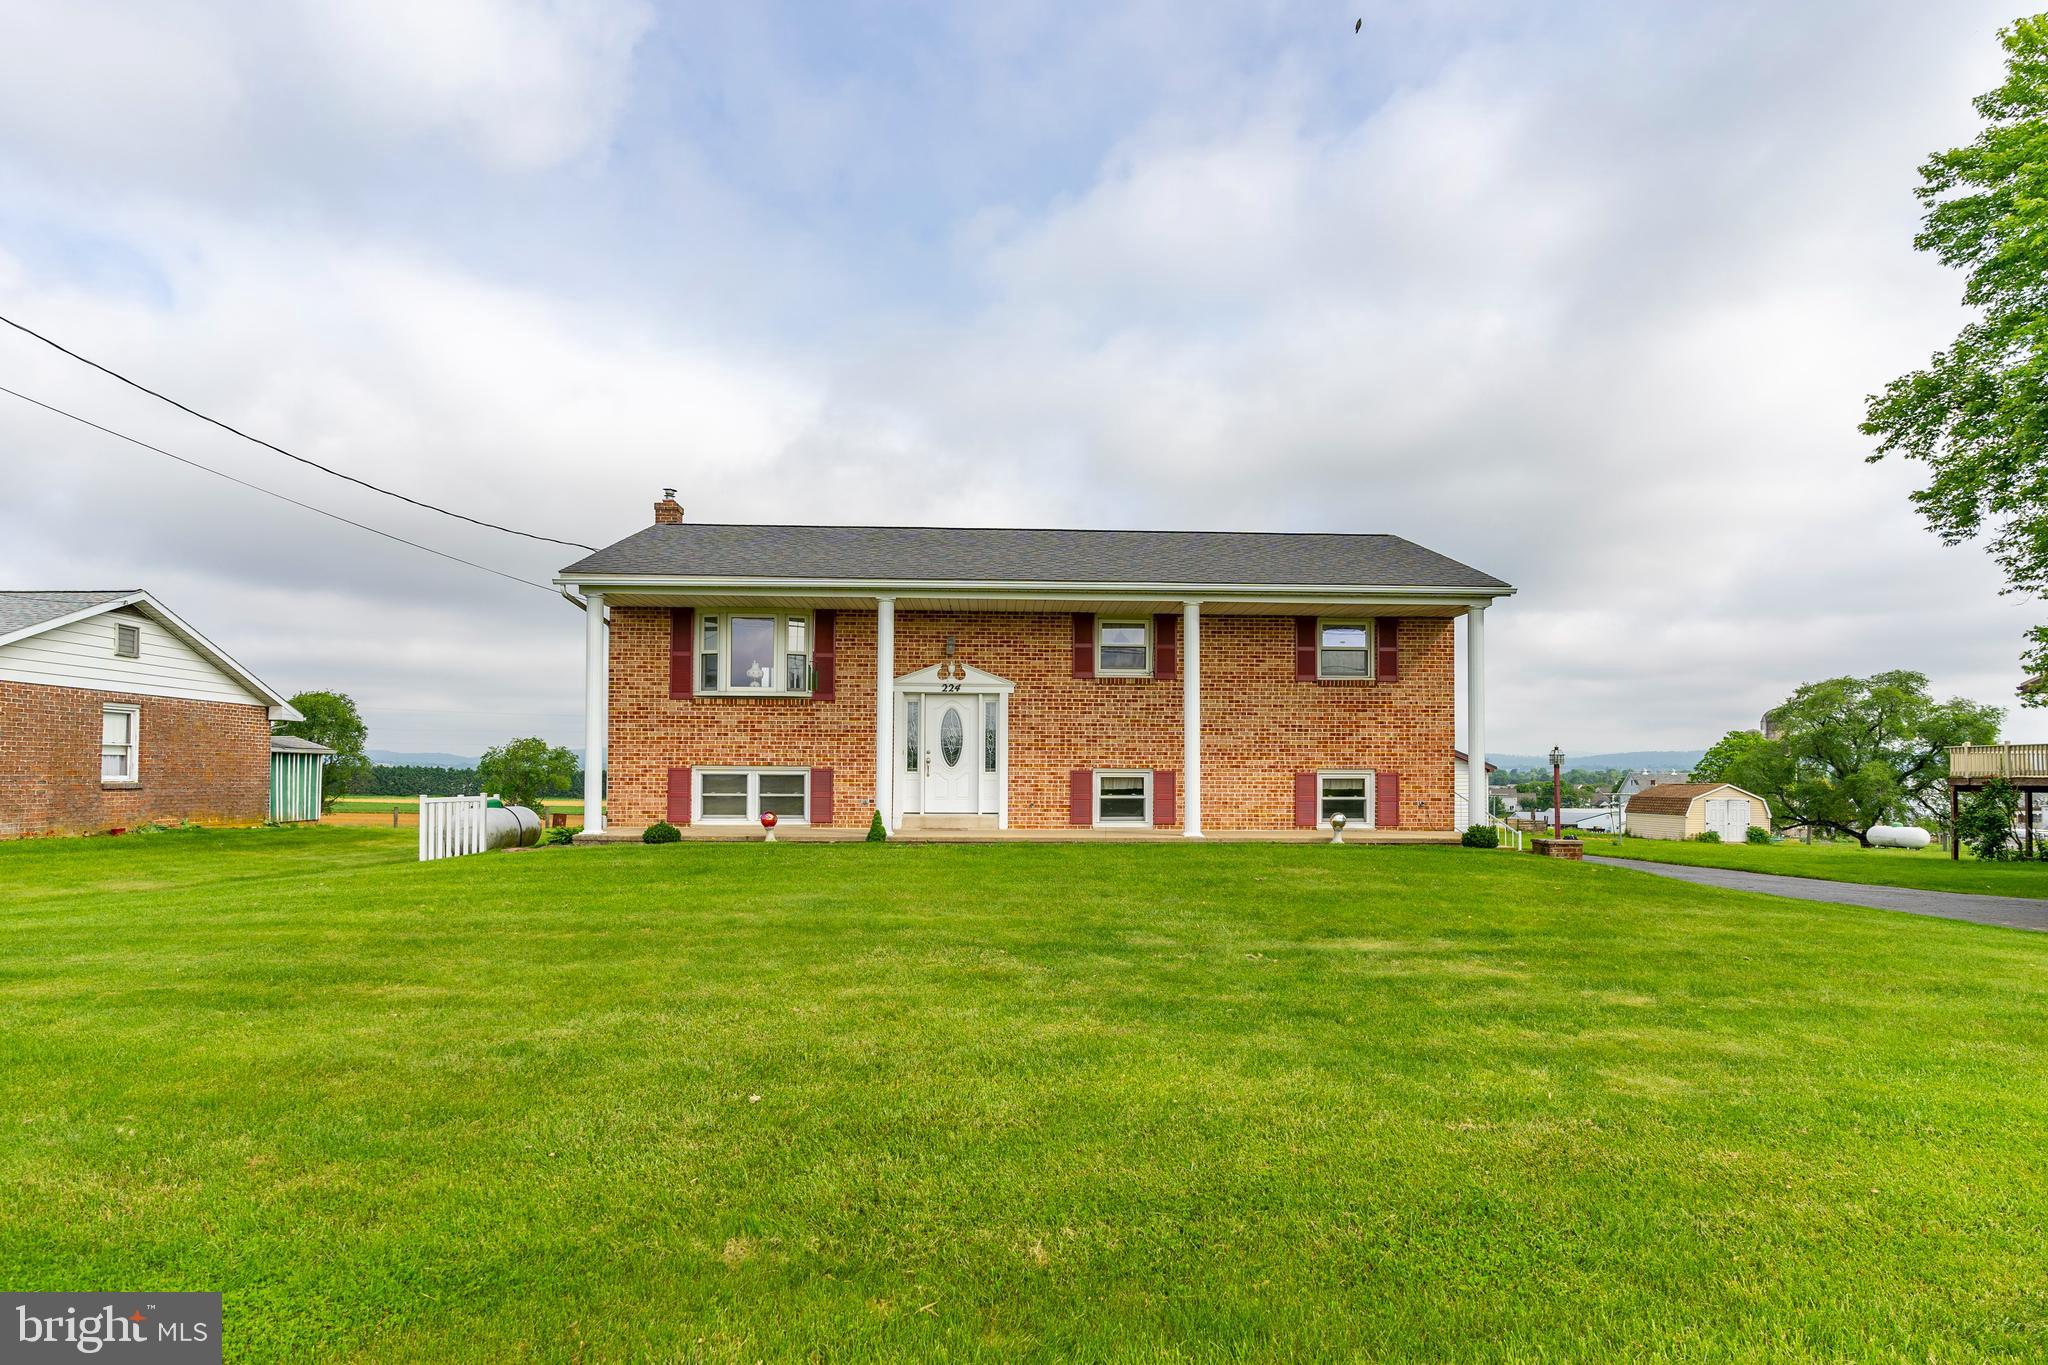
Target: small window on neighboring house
[[1344, 649], [1123, 647], [118, 743], [1345, 794], [1123, 798], [127, 641]]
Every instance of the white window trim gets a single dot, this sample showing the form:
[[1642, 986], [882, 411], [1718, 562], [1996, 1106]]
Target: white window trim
[[1146, 774], [132, 629], [134, 714], [753, 776], [725, 688], [1102, 623], [1372, 648], [1372, 795]]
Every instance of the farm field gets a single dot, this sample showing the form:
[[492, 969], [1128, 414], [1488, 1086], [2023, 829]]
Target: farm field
[[738, 1102], [1928, 869]]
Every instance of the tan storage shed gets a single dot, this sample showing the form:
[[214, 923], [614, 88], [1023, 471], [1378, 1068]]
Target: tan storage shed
[[1681, 810]]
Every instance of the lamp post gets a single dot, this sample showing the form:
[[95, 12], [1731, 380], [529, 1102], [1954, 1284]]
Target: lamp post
[[1556, 792]]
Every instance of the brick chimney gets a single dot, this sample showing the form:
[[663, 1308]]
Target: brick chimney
[[668, 512]]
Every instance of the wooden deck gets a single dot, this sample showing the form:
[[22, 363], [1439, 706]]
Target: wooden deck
[[2018, 765]]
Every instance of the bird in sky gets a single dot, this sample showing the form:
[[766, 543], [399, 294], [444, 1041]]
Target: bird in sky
[[1358, 26]]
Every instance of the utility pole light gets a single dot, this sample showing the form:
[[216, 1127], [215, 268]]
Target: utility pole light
[[1556, 792]]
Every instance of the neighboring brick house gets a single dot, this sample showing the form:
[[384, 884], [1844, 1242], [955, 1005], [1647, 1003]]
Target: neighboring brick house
[[114, 714], [963, 679]]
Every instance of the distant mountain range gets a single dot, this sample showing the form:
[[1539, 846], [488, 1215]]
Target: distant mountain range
[[1639, 758], [399, 760]]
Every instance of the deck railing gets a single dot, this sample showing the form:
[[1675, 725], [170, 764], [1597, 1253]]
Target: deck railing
[[2013, 762]]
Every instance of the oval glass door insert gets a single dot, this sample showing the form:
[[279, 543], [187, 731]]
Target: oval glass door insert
[[952, 735]]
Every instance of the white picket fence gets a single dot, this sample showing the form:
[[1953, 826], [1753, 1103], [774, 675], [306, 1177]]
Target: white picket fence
[[451, 826]]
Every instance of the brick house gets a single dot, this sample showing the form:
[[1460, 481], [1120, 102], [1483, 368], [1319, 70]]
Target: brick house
[[1026, 680], [114, 713]]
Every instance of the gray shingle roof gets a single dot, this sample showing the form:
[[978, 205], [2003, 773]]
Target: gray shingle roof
[[293, 744], [20, 610], [911, 553]]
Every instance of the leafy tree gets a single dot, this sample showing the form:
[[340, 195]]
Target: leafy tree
[[1977, 415], [1986, 822], [526, 771], [331, 718], [1850, 753], [1728, 751]]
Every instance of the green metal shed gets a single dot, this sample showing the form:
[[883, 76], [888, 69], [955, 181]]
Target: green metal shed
[[296, 769]]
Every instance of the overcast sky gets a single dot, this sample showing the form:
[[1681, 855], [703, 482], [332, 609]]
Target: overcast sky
[[1587, 295]]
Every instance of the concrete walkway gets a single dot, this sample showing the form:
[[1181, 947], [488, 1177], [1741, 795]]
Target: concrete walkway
[[2011, 912]]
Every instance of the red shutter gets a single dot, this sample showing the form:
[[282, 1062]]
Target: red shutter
[[1162, 797], [1165, 658], [679, 796], [1386, 801], [682, 653], [825, 663], [821, 796], [1305, 801], [1084, 644], [1305, 649], [1387, 644], [1081, 797]]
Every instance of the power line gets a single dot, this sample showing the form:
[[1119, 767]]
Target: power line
[[220, 474], [324, 469]]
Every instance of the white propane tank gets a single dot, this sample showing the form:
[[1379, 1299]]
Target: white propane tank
[[510, 826], [1899, 836]]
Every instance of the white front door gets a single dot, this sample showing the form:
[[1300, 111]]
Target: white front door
[[952, 753]]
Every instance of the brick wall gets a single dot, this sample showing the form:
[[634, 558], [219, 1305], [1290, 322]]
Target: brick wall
[[1260, 726], [202, 761]]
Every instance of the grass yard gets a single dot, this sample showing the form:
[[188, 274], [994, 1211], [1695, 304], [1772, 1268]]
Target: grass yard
[[1928, 869], [742, 1102]]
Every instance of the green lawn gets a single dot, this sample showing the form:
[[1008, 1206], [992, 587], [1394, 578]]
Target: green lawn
[[1928, 869], [744, 1102]]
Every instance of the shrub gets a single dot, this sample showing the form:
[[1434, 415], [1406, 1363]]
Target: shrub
[[662, 832], [1481, 836], [1757, 834], [1707, 836], [562, 834], [877, 834], [1986, 824]]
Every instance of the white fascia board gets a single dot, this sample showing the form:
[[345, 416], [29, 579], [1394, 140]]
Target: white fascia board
[[279, 708], [991, 590]]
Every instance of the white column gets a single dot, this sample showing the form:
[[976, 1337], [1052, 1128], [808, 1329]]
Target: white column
[[885, 710], [1191, 717], [1478, 791], [596, 712]]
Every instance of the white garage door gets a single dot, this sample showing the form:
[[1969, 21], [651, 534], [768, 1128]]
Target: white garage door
[[1728, 818]]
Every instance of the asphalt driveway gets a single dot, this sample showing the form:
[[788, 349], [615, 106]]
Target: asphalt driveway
[[2011, 912]]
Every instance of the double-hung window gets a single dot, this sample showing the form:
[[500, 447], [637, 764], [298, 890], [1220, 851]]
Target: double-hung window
[[1123, 648], [120, 743], [741, 652], [1123, 798], [1345, 794], [743, 795], [1343, 649]]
